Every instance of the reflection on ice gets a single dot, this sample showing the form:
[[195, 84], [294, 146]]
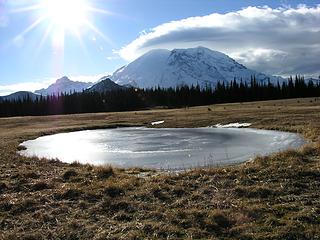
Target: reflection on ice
[[161, 148]]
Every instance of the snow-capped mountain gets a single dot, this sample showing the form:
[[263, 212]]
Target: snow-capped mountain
[[104, 85], [22, 95], [191, 66], [64, 85]]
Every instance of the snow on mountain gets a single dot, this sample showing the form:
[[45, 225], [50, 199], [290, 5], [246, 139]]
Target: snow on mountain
[[191, 66], [105, 84], [20, 96], [64, 85]]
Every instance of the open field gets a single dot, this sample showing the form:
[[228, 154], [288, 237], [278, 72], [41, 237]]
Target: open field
[[274, 197]]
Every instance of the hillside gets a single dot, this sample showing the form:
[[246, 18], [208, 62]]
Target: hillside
[[21, 95], [104, 85]]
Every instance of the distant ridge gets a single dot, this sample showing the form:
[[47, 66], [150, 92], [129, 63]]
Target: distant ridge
[[105, 84], [21, 95]]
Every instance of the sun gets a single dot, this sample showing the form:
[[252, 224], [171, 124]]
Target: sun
[[59, 20], [60, 17], [69, 15]]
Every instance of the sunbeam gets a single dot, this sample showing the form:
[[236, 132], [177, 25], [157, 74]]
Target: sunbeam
[[44, 39], [31, 26], [26, 9], [97, 31]]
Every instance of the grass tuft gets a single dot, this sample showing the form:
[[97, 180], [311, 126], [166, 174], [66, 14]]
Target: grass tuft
[[69, 174], [70, 194], [39, 186], [105, 172], [254, 192], [3, 187], [114, 190]]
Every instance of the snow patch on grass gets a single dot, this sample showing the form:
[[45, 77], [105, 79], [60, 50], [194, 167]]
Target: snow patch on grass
[[157, 123], [233, 125]]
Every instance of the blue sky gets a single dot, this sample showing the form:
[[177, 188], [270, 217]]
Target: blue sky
[[125, 29]]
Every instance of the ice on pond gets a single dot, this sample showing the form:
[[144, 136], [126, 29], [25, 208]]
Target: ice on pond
[[176, 148]]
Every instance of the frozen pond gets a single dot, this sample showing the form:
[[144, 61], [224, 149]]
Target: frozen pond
[[177, 148]]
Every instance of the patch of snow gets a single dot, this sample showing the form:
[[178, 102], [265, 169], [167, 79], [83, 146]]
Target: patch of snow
[[233, 125], [157, 123]]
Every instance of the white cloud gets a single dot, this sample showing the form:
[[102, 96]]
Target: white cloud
[[114, 55], [27, 86], [278, 41]]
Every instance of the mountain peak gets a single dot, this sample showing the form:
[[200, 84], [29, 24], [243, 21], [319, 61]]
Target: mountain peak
[[64, 79], [104, 78], [64, 85], [191, 66], [199, 49], [202, 52]]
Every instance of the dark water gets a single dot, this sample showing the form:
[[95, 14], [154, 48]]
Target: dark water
[[161, 148]]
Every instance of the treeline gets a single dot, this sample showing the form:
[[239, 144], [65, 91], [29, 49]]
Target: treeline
[[183, 96], [255, 91]]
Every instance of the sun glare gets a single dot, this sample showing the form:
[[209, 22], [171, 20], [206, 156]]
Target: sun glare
[[57, 18], [61, 17], [69, 15]]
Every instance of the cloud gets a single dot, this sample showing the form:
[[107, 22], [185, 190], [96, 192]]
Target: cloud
[[44, 83], [27, 86], [279, 41], [114, 55]]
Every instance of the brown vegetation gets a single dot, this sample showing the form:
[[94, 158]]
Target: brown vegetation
[[273, 197]]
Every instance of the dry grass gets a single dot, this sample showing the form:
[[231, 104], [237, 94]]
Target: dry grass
[[274, 197]]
